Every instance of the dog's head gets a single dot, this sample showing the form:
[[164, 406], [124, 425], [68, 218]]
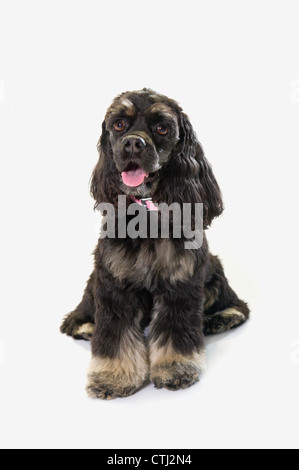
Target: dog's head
[[148, 149]]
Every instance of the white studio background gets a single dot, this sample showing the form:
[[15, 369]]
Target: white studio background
[[234, 67]]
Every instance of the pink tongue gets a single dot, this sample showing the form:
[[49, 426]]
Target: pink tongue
[[134, 178]]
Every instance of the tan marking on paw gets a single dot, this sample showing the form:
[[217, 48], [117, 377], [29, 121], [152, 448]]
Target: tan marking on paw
[[166, 354], [121, 376], [225, 320], [85, 330], [172, 370], [230, 312]]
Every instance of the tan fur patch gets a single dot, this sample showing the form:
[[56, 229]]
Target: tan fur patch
[[86, 329], [223, 321], [166, 355], [129, 106], [174, 371], [163, 109], [121, 376], [121, 106], [211, 296], [147, 263], [172, 266], [123, 266], [232, 312]]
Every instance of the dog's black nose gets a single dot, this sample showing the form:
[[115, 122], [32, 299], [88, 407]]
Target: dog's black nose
[[134, 145]]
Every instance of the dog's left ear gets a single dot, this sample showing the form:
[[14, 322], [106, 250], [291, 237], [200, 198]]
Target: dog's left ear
[[103, 185], [189, 176]]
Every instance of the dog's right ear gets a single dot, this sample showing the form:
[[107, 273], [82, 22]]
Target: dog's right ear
[[103, 184]]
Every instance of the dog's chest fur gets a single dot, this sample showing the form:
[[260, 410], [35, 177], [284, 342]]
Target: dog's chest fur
[[148, 262]]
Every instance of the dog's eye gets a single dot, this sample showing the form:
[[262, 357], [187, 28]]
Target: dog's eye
[[161, 129], [119, 125]]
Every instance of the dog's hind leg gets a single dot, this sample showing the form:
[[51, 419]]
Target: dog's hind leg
[[223, 310], [80, 323]]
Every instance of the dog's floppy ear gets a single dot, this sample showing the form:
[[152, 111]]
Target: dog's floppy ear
[[103, 185], [189, 176]]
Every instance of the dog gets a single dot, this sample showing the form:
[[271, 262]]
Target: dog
[[150, 154]]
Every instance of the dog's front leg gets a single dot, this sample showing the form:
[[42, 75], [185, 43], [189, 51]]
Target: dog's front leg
[[119, 364], [176, 345]]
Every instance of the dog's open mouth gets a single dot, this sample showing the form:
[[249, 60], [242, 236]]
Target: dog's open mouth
[[134, 175]]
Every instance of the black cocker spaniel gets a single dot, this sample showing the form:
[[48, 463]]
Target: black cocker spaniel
[[149, 154]]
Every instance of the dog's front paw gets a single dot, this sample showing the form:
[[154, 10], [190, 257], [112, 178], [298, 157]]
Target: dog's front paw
[[175, 371], [108, 387], [175, 376], [111, 378]]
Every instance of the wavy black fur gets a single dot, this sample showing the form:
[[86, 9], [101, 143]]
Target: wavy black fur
[[181, 294]]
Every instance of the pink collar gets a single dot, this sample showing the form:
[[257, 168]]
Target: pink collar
[[146, 202]]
